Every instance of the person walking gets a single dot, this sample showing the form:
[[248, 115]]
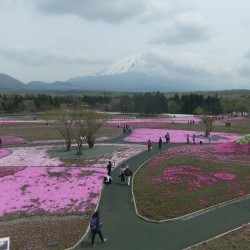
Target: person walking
[[167, 137], [149, 145], [160, 143], [193, 137], [209, 138], [95, 227], [201, 139], [109, 167], [122, 175], [128, 173], [187, 138]]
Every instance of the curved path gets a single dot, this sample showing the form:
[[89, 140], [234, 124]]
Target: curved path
[[126, 231]]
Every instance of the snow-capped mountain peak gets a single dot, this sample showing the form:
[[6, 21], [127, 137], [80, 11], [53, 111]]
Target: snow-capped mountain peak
[[128, 64]]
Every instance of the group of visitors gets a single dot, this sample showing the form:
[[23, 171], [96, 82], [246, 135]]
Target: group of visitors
[[126, 128], [95, 223], [209, 137], [125, 172], [108, 178]]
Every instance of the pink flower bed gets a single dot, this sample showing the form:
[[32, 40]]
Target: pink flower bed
[[237, 118], [176, 136], [52, 190], [151, 122], [30, 156], [224, 176], [9, 171], [193, 177], [232, 147], [4, 152], [209, 152], [12, 140]]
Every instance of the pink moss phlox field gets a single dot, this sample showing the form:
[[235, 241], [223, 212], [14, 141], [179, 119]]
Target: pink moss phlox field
[[207, 151], [176, 136], [10, 171], [233, 147], [12, 140], [30, 156], [4, 152], [191, 176], [151, 122], [52, 190], [224, 176]]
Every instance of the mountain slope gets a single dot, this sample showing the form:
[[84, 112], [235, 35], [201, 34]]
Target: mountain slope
[[8, 83], [60, 86]]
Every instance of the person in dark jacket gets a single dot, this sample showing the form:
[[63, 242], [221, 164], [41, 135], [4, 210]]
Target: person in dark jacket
[[160, 143], [95, 227], [109, 168]]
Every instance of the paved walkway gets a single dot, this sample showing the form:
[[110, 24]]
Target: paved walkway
[[126, 231]]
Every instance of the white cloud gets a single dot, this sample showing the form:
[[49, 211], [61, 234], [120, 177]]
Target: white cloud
[[31, 56], [111, 11], [182, 64], [189, 27]]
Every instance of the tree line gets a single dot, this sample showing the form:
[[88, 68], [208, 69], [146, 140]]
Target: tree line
[[148, 103]]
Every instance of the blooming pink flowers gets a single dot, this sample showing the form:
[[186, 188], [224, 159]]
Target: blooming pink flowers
[[4, 152], [224, 176], [176, 136], [52, 190], [193, 177], [12, 140]]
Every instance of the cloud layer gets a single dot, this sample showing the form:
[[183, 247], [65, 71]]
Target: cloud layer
[[60, 39]]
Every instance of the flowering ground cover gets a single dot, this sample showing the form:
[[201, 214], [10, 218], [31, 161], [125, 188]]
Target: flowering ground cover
[[12, 140], [238, 239], [50, 190], [30, 156], [230, 151], [4, 152], [176, 136], [38, 195], [182, 185], [151, 122]]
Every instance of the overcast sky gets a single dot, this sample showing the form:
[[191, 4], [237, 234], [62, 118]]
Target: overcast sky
[[202, 41]]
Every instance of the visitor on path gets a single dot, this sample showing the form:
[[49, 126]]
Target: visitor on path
[[209, 138], [193, 137], [149, 145], [128, 173], [109, 167], [107, 179], [201, 139], [167, 137], [160, 143], [95, 227], [187, 138], [122, 175]]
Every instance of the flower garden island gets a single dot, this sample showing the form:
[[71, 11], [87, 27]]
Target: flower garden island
[[48, 194]]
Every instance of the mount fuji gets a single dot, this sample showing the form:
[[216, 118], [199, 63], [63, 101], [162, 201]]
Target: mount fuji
[[127, 76]]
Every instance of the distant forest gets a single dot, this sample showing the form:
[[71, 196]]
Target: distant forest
[[149, 103]]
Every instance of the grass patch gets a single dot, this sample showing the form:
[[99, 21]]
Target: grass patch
[[87, 153], [235, 240], [36, 235], [182, 185], [39, 132]]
